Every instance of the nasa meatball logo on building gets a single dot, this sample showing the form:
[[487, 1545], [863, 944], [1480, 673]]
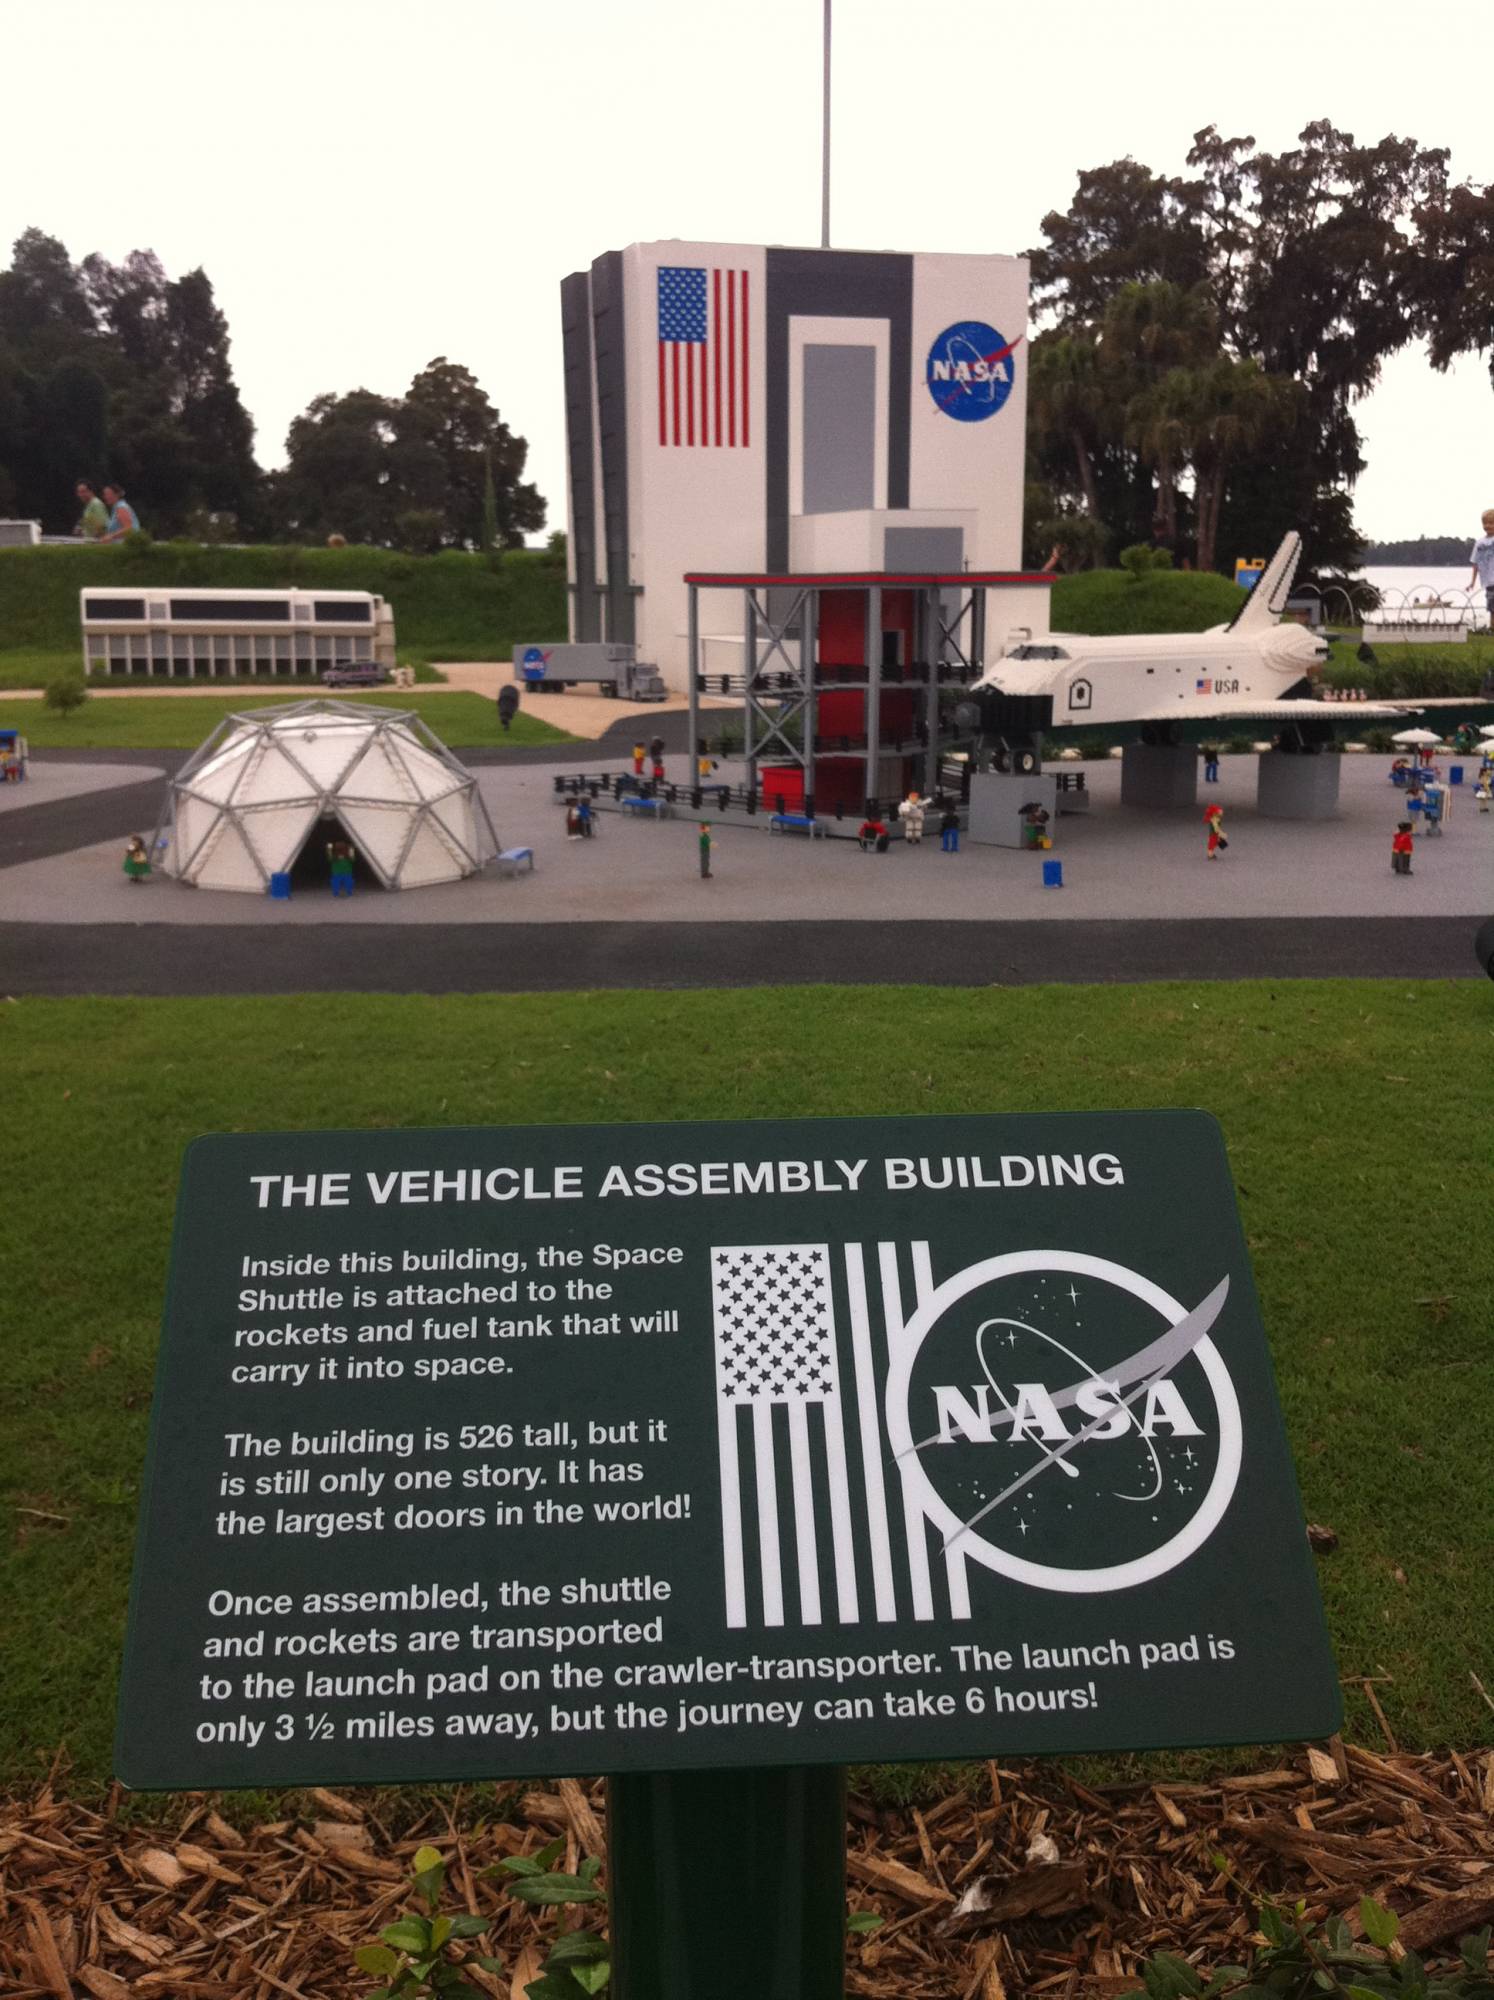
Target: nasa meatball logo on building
[[971, 369], [1067, 1422]]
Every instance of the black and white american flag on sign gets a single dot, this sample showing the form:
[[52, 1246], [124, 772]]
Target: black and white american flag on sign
[[807, 1476]]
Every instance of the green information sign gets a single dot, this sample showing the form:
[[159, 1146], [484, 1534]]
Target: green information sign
[[659, 1447]]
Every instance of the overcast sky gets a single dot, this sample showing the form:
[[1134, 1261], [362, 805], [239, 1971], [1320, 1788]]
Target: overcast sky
[[369, 185]]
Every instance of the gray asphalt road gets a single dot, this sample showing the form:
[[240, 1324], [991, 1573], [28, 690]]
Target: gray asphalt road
[[156, 959]]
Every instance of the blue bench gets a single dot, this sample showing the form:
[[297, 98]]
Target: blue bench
[[511, 857], [660, 808], [793, 823]]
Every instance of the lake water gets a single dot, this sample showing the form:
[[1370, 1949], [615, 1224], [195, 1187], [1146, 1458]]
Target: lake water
[[1408, 590]]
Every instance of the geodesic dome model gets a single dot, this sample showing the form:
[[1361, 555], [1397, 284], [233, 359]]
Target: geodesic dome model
[[243, 806]]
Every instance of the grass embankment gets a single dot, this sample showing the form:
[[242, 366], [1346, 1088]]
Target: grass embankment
[[463, 721], [447, 607], [1101, 601], [1357, 1116]]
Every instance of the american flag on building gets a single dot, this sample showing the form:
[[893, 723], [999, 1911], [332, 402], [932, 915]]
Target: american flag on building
[[803, 1449], [1202, 687], [704, 354]]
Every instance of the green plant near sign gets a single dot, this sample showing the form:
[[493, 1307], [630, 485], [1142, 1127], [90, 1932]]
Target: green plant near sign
[[1301, 1960], [411, 1955], [579, 1961]]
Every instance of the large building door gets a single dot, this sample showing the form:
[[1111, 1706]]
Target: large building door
[[839, 428]]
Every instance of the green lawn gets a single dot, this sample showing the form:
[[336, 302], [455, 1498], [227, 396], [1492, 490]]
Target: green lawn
[[1357, 1114], [462, 720]]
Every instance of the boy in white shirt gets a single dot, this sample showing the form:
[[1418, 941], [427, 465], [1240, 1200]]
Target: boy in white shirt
[[1481, 556]]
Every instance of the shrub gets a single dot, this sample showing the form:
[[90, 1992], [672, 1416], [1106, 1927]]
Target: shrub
[[1141, 558], [65, 693], [420, 530]]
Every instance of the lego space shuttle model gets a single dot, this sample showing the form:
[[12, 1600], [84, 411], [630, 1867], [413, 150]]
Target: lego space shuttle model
[[1164, 684]]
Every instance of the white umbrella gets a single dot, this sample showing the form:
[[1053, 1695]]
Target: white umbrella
[[1416, 736], [1487, 730]]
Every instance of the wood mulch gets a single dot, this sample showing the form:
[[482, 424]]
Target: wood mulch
[[1028, 1882]]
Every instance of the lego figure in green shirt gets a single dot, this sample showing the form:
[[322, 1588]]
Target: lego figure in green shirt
[[705, 852], [93, 524]]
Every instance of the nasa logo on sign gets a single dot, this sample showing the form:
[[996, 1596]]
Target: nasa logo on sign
[[971, 370], [534, 662], [1068, 1423]]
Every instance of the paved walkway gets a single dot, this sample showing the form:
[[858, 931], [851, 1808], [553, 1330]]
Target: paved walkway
[[1118, 864], [629, 909]]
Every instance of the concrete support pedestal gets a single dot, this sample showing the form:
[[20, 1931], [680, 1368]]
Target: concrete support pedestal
[[996, 802], [1294, 785], [1159, 774]]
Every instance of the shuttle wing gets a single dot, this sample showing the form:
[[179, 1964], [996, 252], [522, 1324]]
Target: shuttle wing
[[1242, 708]]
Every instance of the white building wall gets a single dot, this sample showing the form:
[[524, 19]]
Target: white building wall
[[690, 507], [971, 465]]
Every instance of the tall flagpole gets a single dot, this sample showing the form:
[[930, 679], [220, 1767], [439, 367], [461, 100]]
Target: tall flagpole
[[825, 164]]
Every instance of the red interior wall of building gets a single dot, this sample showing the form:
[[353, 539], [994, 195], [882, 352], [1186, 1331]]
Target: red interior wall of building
[[841, 711]]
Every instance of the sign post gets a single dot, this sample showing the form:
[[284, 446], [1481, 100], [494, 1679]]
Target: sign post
[[777, 1835], [712, 1458]]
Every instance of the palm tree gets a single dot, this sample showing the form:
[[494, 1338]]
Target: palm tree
[[1234, 407], [1066, 401], [1153, 336]]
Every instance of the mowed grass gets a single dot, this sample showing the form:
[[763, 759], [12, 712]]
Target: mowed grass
[[1357, 1115], [462, 720]]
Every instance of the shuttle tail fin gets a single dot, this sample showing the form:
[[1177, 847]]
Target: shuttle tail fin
[[1265, 604]]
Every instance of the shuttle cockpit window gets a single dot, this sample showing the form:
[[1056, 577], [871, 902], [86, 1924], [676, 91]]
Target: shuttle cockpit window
[[1028, 652]]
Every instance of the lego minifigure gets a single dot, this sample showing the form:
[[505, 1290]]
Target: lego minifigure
[[137, 860], [1214, 821], [949, 831], [340, 861], [1400, 849], [639, 753], [911, 813], [706, 844]]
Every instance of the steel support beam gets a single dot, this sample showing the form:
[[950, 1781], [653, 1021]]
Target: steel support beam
[[693, 650], [873, 688]]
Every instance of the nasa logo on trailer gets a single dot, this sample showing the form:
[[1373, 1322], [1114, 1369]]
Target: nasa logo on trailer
[[1067, 1422], [971, 368], [534, 662]]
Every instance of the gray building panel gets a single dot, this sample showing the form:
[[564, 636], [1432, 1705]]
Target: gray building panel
[[608, 346], [840, 428], [834, 284], [575, 326], [923, 551]]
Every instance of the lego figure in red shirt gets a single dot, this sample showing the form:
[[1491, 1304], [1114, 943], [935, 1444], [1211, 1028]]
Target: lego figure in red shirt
[[1400, 849], [1214, 821]]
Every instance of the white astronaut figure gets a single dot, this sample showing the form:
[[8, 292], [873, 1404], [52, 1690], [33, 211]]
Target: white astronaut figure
[[911, 813]]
